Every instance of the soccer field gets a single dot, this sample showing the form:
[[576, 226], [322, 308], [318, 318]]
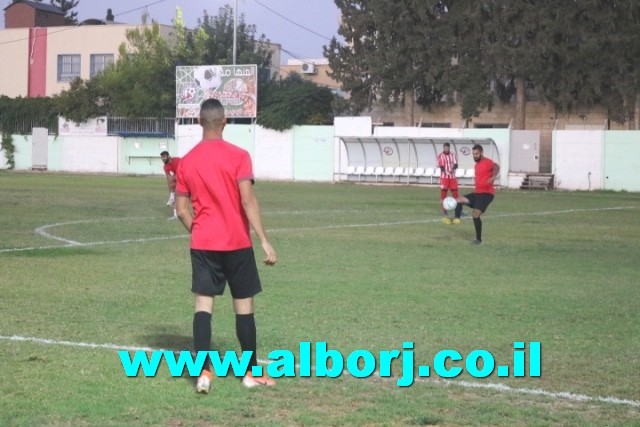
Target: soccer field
[[90, 265]]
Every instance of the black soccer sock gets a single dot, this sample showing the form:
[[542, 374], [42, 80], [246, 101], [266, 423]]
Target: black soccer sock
[[459, 210], [202, 334], [478, 224], [246, 332]]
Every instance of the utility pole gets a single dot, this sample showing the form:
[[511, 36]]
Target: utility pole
[[235, 31]]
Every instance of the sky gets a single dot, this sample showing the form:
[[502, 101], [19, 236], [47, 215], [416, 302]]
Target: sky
[[301, 27]]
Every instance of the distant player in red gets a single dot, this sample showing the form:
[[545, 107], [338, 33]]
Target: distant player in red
[[216, 178], [486, 172], [171, 170], [448, 163]]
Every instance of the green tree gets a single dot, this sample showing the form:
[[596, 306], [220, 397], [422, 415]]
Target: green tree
[[81, 101], [140, 84], [142, 81], [497, 47], [67, 6], [9, 149], [394, 53], [576, 55], [42, 112], [250, 49], [620, 50], [294, 101], [191, 47], [595, 59]]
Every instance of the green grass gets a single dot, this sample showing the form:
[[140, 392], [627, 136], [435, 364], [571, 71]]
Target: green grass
[[361, 267]]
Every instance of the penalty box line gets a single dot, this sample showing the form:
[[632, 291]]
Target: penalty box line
[[458, 383]]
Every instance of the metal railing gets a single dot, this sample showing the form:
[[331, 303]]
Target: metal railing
[[115, 125], [143, 125], [24, 125]]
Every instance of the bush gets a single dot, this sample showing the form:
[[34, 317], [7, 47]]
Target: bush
[[9, 149]]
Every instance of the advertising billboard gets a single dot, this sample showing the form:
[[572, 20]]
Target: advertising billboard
[[235, 86]]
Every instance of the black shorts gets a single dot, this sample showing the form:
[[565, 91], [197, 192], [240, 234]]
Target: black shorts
[[480, 201], [211, 270]]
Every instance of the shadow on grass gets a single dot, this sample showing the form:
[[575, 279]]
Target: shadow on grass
[[165, 339]]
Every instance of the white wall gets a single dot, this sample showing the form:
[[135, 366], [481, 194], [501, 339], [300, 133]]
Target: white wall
[[577, 160], [417, 132], [187, 136], [578, 155], [89, 154], [273, 157]]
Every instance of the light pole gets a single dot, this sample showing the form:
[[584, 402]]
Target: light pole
[[235, 30]]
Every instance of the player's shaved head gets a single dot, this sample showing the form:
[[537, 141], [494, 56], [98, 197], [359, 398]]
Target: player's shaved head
[[212, 114]]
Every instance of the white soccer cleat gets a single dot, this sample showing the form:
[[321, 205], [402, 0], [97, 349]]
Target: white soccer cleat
[[204, 382], [250, 381]]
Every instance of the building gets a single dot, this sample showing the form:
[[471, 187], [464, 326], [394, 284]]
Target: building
[[46, 55], [45, 60], [314, 70], [31, 14]]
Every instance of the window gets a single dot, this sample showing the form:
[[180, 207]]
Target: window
[[99, 62], [491, 125], [433, 125], [68, 67]]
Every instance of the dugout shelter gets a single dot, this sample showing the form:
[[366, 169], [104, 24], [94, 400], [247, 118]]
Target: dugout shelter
[[409, 159]]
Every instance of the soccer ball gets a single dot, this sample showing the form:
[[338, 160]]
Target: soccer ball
[[189, 93], [449, 203], [208, 77]]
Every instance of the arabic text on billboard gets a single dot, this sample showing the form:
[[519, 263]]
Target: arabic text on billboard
[[235, 86]]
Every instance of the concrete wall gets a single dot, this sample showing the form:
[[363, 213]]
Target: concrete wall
[[597, 160], [577, 159], [582, 159], [621, 161]]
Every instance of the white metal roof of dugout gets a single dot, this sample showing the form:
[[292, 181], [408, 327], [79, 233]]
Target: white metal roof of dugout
[[409, 152]]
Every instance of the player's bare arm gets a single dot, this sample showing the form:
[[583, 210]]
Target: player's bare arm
[[171, 182], [496, 171], [183, 212], [252, 209]]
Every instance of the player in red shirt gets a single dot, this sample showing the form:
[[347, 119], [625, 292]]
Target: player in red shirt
[[170, 170], [216, 178], [486, 171], [448, 163]]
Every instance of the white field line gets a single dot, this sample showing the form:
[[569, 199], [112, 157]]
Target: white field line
[[458, 383], [41, 231], [71, 243]]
